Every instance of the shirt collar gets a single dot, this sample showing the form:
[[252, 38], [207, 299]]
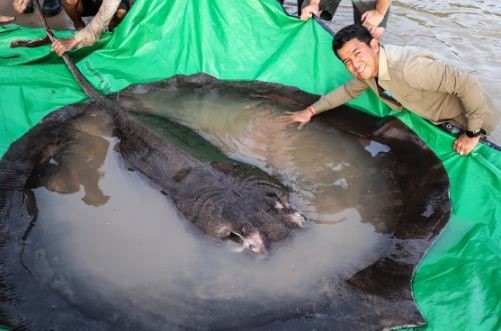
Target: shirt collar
[[383, 73]]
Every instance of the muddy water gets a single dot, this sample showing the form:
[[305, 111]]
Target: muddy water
[[124, 244], [327, 170], [464, 32]]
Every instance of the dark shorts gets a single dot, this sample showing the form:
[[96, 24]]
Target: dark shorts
[[91, 7], [329, 7]]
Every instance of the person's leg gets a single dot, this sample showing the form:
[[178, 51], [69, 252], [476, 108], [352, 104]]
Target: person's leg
[[29, 8], [74, 9], [360, 7], [327, 7], [299, 6], [123, 8], [357, 19], [51, 7]]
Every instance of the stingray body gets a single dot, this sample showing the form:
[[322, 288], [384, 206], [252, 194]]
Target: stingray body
[[224, 198], [227, 199]]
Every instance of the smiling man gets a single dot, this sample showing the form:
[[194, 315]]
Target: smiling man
[[412, 78]]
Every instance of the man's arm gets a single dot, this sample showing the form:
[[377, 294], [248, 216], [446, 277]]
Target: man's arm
[[371, 19], [91, 33], [375, 17], [433, 75], [337, 97], [340, 95], [382, 6]]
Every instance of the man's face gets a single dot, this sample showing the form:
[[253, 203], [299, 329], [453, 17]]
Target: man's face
[[360, 59]]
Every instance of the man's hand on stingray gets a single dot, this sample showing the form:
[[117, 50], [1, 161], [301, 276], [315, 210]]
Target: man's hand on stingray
[[301, 117]]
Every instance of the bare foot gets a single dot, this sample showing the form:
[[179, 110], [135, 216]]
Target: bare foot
[[6, 19]]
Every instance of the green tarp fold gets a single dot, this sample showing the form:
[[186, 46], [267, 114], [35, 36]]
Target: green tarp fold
[[458, 284]]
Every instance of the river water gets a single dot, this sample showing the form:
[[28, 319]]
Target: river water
[[465, 32]]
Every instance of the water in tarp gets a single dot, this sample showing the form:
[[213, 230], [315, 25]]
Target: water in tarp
[[136, 244], [333, 175], [112, 251]]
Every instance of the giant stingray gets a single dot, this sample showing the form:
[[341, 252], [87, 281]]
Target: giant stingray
[[376, 297]]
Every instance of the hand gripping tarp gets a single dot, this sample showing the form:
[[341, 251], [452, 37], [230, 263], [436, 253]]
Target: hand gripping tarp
[[458, 284]]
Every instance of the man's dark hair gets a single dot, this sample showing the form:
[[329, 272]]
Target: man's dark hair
[[348, 33]]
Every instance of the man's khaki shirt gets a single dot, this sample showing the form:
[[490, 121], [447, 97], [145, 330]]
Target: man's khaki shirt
[[424, 85]]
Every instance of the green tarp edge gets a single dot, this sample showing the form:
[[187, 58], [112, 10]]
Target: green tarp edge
[[457, 285]]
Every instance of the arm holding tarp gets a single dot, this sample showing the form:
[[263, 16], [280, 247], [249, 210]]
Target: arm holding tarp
[[473, 113], [91, 33]]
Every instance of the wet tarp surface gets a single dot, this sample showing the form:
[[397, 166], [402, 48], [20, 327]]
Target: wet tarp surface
[[458, 284]]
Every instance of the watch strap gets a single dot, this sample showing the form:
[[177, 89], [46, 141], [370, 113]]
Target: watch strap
[[476, 133]]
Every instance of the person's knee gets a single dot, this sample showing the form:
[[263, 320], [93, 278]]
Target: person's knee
[[120, 13], [71, 3], [378, 32]]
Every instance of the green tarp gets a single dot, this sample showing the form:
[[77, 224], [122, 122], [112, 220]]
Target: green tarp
[[457, 285]]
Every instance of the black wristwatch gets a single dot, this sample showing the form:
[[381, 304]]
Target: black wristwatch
[[476, 133]]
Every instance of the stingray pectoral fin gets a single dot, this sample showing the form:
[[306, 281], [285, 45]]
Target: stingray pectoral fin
[[389, 283], [386, 278]]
